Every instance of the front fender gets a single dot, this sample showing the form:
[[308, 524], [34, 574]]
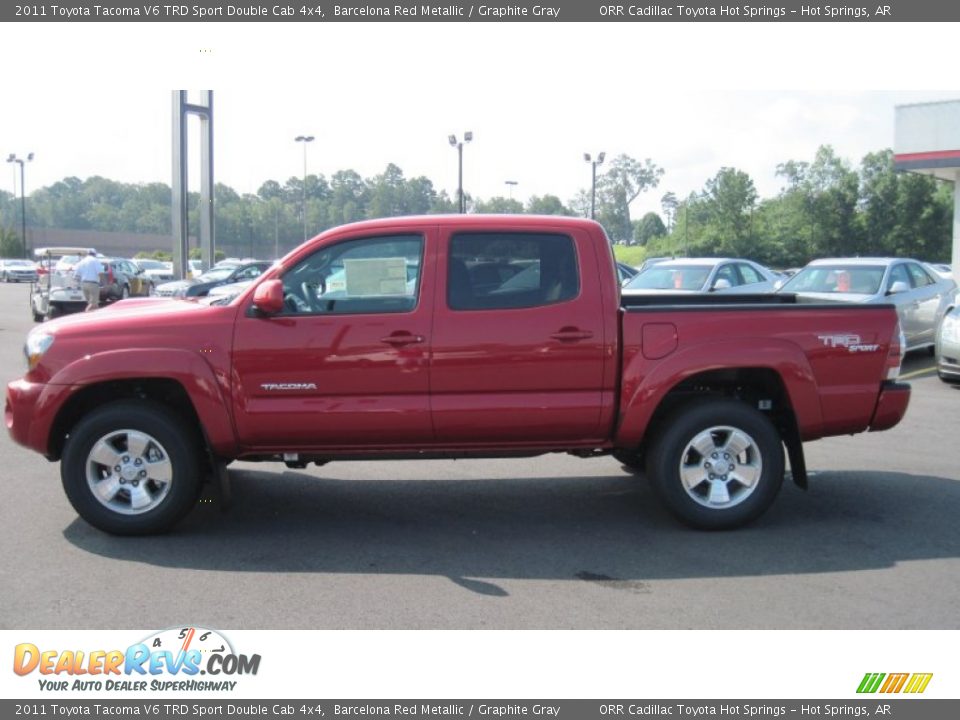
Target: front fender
[[647, 382], [207, 387]]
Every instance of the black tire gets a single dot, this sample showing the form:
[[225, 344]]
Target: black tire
[[172, 449], [713, 424], [54, 311]]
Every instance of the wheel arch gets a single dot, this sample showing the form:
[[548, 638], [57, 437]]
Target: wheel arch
[[760, 387], [164, 391]]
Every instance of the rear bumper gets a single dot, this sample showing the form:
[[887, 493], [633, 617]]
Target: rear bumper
[[891, 406]]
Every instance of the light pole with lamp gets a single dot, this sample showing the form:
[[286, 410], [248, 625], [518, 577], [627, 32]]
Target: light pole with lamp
[[467, 137], [12, 158], [593, 182], [304, 139], [511, 184]]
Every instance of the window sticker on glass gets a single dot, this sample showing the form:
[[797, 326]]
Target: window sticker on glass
[[376, 276]]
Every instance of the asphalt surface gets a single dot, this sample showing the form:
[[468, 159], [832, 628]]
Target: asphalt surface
[[549, 542]]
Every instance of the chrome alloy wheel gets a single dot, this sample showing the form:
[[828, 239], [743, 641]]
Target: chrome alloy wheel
[[129, 472], [720, 467]]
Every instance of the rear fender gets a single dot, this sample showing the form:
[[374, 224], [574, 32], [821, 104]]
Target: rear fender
[[646, 383]]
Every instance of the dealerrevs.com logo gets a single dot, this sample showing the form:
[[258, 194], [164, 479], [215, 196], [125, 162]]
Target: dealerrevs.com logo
[[172, 659], [894, 682]]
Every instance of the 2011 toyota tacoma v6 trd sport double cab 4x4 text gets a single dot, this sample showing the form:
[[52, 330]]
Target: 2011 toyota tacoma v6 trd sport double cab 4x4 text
[[463, 336]]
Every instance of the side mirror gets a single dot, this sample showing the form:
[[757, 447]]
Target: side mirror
[[721, 284], [779, 284], [268, 297], [898, 287]]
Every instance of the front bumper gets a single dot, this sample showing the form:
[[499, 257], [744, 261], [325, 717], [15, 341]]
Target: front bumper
[[891, 405], [30, 410]]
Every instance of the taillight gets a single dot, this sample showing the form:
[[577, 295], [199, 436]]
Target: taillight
[[898, 348]]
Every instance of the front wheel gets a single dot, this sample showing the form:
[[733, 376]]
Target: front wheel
[[717, 464], [131, 468]]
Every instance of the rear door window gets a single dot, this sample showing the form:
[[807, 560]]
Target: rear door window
[[488, 271]]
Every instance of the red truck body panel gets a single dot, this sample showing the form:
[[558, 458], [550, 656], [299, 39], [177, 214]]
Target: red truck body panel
[[579, 374]]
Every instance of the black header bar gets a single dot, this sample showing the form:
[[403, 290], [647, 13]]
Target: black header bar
[[318, 11]]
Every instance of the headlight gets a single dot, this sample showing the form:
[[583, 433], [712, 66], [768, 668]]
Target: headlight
[[37, 344], [949, 327]]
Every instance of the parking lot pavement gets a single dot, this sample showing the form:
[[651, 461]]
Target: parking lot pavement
[[549, 542]]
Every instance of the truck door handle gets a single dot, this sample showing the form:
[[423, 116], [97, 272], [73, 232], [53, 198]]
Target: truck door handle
[[571, 334], [399, 339]]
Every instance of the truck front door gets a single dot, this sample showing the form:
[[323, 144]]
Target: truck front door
[[346, 362]]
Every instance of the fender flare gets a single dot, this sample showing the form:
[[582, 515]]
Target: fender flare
[[206, 389], [653, 381]]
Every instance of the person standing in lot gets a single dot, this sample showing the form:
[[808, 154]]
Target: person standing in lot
[[87, 271]]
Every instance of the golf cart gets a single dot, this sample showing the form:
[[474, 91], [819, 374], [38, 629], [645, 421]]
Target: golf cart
[[56, 293]]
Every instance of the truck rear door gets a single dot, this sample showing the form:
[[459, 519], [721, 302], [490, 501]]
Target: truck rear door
[[518, 337]]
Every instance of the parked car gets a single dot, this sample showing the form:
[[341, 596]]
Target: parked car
[[18, 271], [200, 286], [142, 403], [920, 295], [625, 272], [123, 279], [948, 346], [157, 270], [943, 270], [700, 275]]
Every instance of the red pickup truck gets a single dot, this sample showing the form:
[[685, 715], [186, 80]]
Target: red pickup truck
[[442, 337]]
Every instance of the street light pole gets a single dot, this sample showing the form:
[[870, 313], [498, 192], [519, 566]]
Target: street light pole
[[304, 139], [467, 137], [511, 184], [593, 182], [23, 201]]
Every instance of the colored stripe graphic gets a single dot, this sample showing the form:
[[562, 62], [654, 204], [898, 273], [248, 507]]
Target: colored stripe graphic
[[895, 682], [918, 683], [870, 682]]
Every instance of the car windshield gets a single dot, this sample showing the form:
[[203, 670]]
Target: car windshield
[[668, 276], [841, 279], [151, 265], [19, 263], [216, 274]]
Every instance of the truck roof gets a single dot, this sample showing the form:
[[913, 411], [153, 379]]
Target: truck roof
[[470, 220]]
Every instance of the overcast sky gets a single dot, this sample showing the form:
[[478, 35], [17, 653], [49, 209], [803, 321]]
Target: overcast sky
[[95, 99]]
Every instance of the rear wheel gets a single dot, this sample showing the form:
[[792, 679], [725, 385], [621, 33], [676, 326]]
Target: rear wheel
[[131, 468], [717, 464]]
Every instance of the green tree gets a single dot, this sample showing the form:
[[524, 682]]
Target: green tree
[[547, 205], [619, 186], [499, 206], [648, 227]]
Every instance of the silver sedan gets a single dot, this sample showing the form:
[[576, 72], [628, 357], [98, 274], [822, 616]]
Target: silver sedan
[[948, 346], [700, 275], [920, 295]]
